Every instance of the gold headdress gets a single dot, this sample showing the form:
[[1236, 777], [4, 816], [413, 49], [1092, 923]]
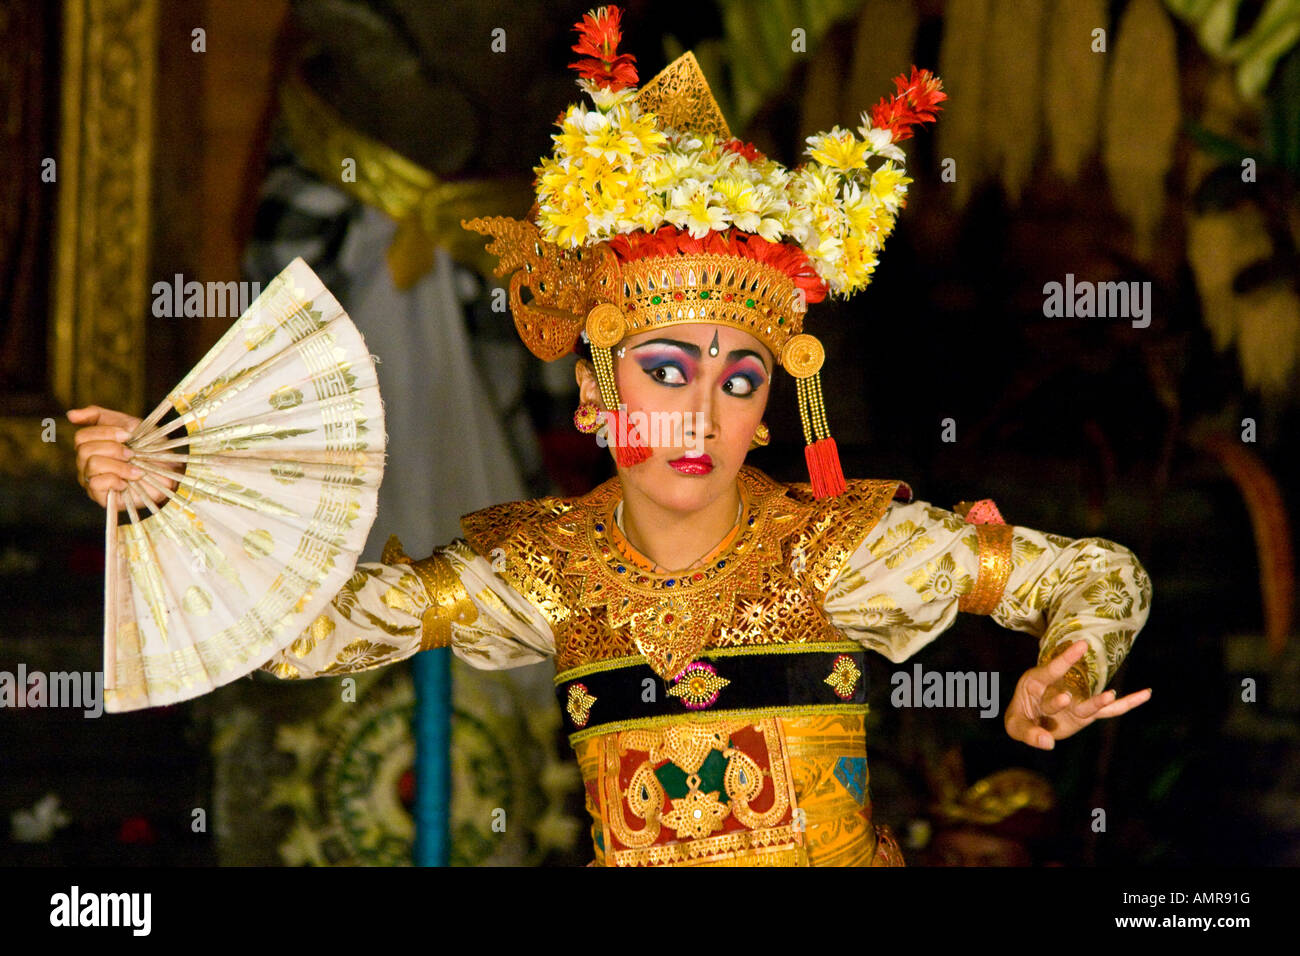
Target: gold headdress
[[649, 214]]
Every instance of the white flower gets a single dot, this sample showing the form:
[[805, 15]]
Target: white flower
[[829, 249], [605, 99], [770, 229], [682, 142], [648, 216], [603, 224], [879, 141], [769, 201]]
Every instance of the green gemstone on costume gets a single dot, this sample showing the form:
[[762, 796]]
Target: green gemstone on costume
[[712, 774], [656, 299], [749, 303], [704, 295]]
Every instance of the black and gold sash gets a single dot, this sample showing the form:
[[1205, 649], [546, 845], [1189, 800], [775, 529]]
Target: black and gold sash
[[764, 680]]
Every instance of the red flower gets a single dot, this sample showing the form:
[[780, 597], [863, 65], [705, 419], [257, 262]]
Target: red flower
[[599, 35], [916, 101], [747, 150], [669, 240]]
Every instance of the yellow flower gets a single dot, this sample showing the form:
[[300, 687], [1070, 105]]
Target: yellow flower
[[647, 214], [858, 264], [741, 200], [859, 208], [691, 207], [579, 123], [838, 149], [609, 144], [643, 132], [814, 186], [889, 186]]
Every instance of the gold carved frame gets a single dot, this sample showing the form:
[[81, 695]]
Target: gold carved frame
[[99, 287]]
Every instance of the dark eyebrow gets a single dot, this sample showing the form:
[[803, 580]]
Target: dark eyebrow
[[687, 347], [694, 350], [737, 354]]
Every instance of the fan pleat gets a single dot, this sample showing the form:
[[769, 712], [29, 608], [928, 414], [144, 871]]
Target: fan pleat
[[283, 456]]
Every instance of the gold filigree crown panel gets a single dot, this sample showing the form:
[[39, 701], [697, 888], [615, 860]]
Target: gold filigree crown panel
[[561, 284], [680, 96], [727, 290]]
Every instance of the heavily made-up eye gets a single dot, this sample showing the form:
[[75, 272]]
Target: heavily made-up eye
[[667, 374], [741, 384]]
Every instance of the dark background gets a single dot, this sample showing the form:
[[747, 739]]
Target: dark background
[[1074, 426]]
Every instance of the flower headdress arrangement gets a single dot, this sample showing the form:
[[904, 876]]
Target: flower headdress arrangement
[[650, 213]]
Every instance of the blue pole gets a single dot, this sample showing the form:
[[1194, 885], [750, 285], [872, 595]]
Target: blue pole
[[432, 726]]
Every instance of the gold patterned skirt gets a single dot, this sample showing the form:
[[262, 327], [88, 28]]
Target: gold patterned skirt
[[737, 790]]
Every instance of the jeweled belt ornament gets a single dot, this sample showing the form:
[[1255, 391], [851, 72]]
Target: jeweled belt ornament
[[603, 698]]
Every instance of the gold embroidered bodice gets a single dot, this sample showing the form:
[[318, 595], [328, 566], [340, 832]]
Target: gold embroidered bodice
[[765, 588], [800, 578]]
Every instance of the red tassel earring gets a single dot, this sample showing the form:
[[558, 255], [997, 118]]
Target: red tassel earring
[[628, 443], [802, 357]]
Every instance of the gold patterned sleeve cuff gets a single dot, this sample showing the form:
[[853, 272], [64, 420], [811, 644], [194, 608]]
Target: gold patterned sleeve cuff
[[449, 602], [994, 569]]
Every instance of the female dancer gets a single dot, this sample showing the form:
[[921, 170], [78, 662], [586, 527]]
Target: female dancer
[[708, 624]]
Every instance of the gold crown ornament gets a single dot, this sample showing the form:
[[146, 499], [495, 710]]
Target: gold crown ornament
[[649, 213]]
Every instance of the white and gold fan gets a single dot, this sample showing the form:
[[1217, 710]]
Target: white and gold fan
[[283, 453]]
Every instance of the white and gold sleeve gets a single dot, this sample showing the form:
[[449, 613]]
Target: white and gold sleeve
[[396, 607], [921, 565]]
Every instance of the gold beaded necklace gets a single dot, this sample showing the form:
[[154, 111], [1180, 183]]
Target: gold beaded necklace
[[623, 540]]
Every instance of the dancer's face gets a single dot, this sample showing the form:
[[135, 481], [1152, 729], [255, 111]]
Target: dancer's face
[[700, 408]]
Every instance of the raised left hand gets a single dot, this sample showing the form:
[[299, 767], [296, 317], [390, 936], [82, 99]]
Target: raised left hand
[[1042, 711]]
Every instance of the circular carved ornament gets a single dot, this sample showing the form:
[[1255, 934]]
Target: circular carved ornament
[[803, 355], [605, 325]]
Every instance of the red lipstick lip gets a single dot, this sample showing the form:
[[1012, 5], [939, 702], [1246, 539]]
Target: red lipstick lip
[[694, 465]]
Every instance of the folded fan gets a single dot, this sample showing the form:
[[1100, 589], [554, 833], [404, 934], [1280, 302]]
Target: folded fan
[[280, 430]]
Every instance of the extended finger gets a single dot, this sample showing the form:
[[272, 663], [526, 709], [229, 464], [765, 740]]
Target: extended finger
[[90, 433], [1125, 704], [1091, 706], [98, 415], [1057, 666]]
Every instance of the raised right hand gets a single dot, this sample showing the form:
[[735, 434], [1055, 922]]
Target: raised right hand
[[103, 460]]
